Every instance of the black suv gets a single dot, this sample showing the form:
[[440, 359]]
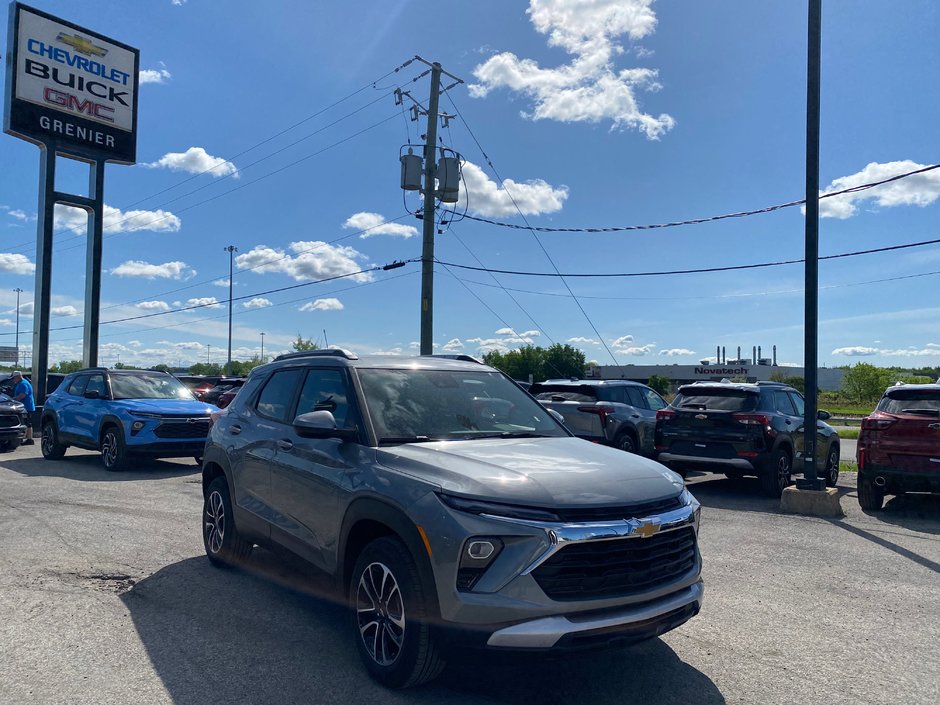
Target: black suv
[[743, 429]]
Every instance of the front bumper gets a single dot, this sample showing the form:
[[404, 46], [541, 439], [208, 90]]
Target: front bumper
[[168, 449], [12, 432]]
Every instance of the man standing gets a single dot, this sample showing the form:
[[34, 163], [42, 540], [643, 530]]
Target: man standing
[[23, 393]]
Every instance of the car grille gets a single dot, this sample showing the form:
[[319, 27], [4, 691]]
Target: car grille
[[182, 428], [630, 511], [618, 567], [9, 420]]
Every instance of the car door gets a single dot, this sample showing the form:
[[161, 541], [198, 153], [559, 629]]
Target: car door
[[646, 402], [67, 404], [88, 412], [312, 475], [793, 404]]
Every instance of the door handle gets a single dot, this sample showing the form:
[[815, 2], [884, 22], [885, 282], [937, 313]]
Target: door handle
[[787, 422], [285, 444], [235, 429], [934, 425]]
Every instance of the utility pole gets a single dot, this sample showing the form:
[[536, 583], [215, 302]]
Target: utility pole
[[208, 348], [17, 343], [262, 347], [231, 249], [427, 250], [811, 286]]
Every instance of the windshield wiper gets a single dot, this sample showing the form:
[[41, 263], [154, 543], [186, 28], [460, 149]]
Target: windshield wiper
[[405, 439], [508, 434]]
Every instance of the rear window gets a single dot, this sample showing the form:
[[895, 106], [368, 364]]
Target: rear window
[[563, 392], [912, 401], [717, 399]]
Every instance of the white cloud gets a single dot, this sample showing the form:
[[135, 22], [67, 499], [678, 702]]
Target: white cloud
[[392, 352], [205, 301], [582, 341], [195, 160], [153, 306], [676, 352], [314, 260], [6, 322], [638, 350], [330, 304], [855, 351], [931, 350], [221, 282], [484, 197], [622, 341], [16, 263], [453, 345], [63, 310], [505, 331], [919, 190], [19, 215], [530, 333], [26, 309], [167, 270], [154, 76], [118, 221], [192, 345], [375, 224], [257, 302], [589, 88]]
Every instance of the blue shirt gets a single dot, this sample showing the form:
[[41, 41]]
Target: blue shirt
[[24, 387]]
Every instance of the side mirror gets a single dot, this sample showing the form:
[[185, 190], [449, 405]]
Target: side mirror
[[92, 394], [321, 424], [558, 417], [823, 415]]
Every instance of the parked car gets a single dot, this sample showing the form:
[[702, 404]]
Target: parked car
[[124, 413], [13, 423], [617, 413], [53, 380], [223, 385], [449, 507], [226, 397], [898, 447], [743, 429], [199, 384]]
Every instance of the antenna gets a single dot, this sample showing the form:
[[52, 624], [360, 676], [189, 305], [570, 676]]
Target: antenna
[[326, 342]]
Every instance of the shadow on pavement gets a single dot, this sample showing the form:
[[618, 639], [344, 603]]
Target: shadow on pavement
[[87, 467], [271, 633]]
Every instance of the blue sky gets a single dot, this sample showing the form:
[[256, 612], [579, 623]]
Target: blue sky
[[596, 113]]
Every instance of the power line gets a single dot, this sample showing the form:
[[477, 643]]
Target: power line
[[698, 221], [702, 270]]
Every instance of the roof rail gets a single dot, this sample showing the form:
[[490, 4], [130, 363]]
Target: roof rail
[[772, 383], [461, 356], [322, 352]]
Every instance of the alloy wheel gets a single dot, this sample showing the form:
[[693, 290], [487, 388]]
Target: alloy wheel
[[109, 449], [832, 467], [380, 613], [783, 471], [215, 521], [48, 439]]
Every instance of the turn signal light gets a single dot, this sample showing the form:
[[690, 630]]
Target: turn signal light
[[664, 414], [753, 419], [877, 423]]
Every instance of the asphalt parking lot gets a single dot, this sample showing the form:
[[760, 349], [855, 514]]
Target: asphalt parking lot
[[106, 597]]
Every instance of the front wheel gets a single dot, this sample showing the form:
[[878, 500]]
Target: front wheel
[[391, 615], [832, 467], [49, 444], [113, 450], [776, 475]]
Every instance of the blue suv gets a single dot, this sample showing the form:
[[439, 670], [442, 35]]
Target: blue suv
[[124, 413]]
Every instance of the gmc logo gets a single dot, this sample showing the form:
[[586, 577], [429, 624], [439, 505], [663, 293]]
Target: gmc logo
[[71, 102]]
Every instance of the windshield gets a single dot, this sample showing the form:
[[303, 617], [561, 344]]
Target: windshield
[[148, 387], [717, 399], [415, 405], [926, 402]]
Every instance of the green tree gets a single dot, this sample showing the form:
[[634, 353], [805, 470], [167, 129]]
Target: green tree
[[563, 360], [302, 345], [541, 363], [161, 368], [865, 382], [797, 383], [659, 383], [241, 368], [205, 368], [67, 366]]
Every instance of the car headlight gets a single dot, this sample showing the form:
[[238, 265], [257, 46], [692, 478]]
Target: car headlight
[[498, 509]]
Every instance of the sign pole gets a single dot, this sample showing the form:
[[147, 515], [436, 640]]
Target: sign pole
[[43, 289], [93, 264]]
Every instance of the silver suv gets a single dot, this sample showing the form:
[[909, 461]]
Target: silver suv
[[449, 506]]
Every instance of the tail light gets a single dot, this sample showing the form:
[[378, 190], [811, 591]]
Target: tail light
[[599, 409], [664, 414], [861, 458], [877, 423], [753, 419]]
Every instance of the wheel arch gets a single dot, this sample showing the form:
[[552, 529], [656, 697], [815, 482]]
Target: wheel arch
[[106, 422]]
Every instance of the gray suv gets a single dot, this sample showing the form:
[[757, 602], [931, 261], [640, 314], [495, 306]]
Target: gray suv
[[450, 508]]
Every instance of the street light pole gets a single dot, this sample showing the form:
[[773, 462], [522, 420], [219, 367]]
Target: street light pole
[[231, 249], [262, 347], [17, 343], [208, 348], [427, 215]]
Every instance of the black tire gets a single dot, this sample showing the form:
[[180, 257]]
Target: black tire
[[626, 442], [49, 443], [777, 472], [831, 471], [871, 498], [393, 632], [224, 545], [113, 449], [9, 445]]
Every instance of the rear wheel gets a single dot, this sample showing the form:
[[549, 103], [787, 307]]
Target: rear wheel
[[224, 545], [870, 496], [776, 475], [49, 444], [391, 616], [113, 450], [626, 442], [832, 467]]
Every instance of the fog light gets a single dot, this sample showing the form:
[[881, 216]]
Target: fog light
[[478, 554], [137, 425], [480, 550]]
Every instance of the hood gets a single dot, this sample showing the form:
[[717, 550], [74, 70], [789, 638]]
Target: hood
[[7, 403], [542, 472], [170, 407]]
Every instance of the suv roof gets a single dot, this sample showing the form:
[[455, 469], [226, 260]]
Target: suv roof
[[344, 358], [592, 382]]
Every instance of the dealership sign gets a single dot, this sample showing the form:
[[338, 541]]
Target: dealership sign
[[70, 88]]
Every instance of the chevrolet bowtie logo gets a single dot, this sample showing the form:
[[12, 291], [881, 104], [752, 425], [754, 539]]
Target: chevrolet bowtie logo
[[81, 45], [646, 530]]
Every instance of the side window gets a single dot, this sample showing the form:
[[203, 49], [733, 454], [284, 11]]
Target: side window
[[96, 384], [783, 403], [77, 387], [798, 401], [653, 400], [277, 396], [326, 390], [635, 397]]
